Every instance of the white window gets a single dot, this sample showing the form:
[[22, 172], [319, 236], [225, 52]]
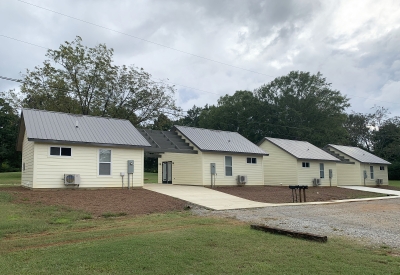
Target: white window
[[382, 168], [321, 171], [60, 151], [371, 170], [305, 164], [104, 162], [252, 160], [228, 166]]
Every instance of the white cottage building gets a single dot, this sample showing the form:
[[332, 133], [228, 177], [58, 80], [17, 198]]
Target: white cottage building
[[61, 150]]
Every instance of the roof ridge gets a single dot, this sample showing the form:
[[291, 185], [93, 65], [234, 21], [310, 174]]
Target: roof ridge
[[72, 114], [207, 129]]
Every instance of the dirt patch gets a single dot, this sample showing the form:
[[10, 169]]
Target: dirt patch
[[98, 202], [278, 194]]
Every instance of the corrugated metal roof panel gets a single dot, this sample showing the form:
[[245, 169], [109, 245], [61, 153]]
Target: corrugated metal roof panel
[[302, 149], [359, 154], [220, 141], [54, 126]]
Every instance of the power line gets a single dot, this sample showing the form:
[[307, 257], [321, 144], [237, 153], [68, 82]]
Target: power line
[[163, 80], [145, 40]]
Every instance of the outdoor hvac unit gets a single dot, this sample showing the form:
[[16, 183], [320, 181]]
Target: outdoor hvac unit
[[379, 181], [316, 182], [241, 179], [72, 179]]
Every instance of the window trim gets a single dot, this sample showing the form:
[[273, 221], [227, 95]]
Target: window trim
[[98, 162], [371, 172], [60, 156], [231, 166], [322, 171], [251, 160], [305, 164]]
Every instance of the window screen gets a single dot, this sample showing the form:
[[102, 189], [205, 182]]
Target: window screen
[[104, 162], [228, 166], [321, 170], [55, 151]]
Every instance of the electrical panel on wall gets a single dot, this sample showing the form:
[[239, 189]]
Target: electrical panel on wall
[[131, 166]]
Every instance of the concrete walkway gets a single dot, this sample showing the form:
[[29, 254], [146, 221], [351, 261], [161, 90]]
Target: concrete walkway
[[205, 197], [372, 189]]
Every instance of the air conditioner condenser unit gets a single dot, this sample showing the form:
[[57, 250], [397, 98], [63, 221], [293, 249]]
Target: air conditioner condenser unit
[[316, 182], [241, 179], [72, 179]]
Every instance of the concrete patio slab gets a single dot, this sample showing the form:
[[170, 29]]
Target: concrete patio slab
[[372, 189], [205, 197]]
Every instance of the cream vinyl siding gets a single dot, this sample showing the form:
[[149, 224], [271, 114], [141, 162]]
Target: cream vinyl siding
[[348, 174], [378, 174], [279, 166], [307, 174], [254, 172], [186, 168], [50, 170], [28, 159]]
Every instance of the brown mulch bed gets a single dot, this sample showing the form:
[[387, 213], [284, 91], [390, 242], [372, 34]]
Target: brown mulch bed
[[278, 194], [101, 201]]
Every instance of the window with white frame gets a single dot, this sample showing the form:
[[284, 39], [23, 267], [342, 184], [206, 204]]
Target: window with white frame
[[228, 166], [321, 170], [305, 164], [104, 162], [252, 160], [382, 168], [60, 151], [371, 170]]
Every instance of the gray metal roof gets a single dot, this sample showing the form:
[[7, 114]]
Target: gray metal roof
[[46, 126], [165, 141], [219, 141], [359, 154], [301, 149]]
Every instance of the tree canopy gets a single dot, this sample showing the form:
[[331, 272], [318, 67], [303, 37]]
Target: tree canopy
[[8, 134], [79, 79]]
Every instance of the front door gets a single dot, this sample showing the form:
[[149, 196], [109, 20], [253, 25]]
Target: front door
[[167, 172]]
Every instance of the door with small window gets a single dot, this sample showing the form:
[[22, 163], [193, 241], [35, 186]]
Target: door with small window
[[167, 172]]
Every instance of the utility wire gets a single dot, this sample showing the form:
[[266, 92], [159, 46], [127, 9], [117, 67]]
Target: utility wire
[[145, 40], [163, 80]]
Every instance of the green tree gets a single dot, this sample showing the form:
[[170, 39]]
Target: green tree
[[9, 120], [303, 106], [192, 117], [238, 113], [162, 123], [78, 79]]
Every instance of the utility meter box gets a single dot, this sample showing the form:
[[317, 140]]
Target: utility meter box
[[365, 174], [213, 169], [330, 173], [130, 166]]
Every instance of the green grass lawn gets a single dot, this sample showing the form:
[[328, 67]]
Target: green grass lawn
[[37, 239], [150, 177], [10, 178], [394, 183]]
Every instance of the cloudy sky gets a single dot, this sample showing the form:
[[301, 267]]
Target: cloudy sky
[[210, 48]]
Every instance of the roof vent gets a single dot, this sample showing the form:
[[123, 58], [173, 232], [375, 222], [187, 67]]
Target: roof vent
[[76, 124]]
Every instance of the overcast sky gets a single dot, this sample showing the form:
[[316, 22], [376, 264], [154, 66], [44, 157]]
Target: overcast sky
[[354, 44]]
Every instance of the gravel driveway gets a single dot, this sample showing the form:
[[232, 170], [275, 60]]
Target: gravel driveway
[[377, 222]]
